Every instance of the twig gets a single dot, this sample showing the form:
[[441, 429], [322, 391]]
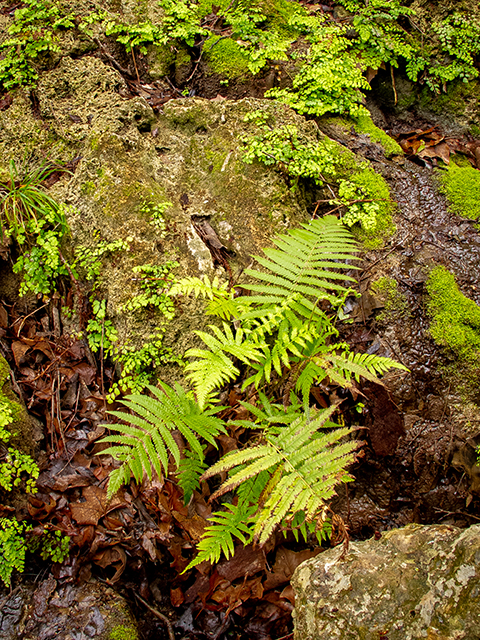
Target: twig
[[117, 66], [455, 513], [159, 615], [393, 84], [135, 65], [30, 314], [173, 86]]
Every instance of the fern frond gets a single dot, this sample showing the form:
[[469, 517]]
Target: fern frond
[[304, 263], [225, 526], [365, 365], [201, 288], [222, 302], [145, 442], [307, 466]]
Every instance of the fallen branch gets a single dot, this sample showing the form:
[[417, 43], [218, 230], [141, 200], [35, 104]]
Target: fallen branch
[[159, 615]]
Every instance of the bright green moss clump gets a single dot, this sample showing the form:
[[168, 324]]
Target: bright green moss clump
[[227, 58], [364, 124], [121, 632], [461, 185], [455, 318], [375, 188]]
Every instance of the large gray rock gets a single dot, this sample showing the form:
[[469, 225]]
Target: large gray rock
[[415, 582]]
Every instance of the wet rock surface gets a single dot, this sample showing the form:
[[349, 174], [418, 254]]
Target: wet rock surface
[[416, 582], [65, 612]]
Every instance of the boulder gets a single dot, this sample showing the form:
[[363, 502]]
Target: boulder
[[412, 583]]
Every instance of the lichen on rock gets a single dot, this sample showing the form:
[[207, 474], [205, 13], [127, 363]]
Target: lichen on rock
[[416, 582]]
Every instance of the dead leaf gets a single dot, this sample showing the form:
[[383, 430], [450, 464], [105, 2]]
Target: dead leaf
[[112, 556], [95, 506], [286, 561], [176, 597], [3, 317], [19, 350], [194, 526]]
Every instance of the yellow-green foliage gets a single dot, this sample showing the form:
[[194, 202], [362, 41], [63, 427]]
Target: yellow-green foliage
[[455, 318], [394, 301], [461, 185], [375, 187]]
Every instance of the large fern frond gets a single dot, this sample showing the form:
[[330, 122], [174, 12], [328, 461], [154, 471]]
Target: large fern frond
[[308, 261], [145, 442], [304, 467], [336, 362]]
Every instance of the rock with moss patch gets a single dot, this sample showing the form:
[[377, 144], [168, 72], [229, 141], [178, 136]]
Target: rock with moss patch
[[15, 422], [416, 582], [67, 612]]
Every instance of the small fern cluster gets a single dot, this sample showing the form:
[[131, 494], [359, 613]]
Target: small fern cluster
[[279, 340]]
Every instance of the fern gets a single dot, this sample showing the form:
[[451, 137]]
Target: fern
[[219, 535], [337, 363], [221, 301], [190, 469], [304, 467], [304, 264], [145, 443], [213, 366]]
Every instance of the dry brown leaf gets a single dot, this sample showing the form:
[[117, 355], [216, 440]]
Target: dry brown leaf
[[194, 526], [176, 597], [95, 506]]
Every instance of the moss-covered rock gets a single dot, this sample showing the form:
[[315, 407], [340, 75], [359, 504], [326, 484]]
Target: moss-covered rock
[[133, 161], [67, 612], [416, 582], [14, 419], [343, 128], [455, 318]]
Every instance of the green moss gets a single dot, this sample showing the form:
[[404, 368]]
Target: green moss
[[226, 58], [88, 187], [364, 124], [475, 131], [182, 58], [455, 318], [461, 185], [121, 632], [394, 301]]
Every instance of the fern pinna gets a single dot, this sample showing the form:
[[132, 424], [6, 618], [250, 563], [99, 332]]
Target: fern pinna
[[287, 477]]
